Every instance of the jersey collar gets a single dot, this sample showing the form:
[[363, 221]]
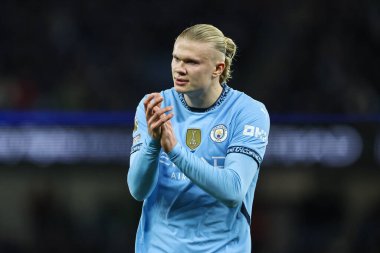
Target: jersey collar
[[218, 102]]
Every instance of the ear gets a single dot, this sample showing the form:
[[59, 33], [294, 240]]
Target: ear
[[219, 68]]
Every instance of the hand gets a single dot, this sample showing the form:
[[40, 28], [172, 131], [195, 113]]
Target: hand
[[168, 140], [156, 116]]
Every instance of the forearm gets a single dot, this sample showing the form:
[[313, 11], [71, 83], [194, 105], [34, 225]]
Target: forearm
[[143, 171], [225, 184]]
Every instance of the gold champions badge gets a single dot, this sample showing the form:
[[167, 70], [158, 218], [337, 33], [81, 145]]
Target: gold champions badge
[[193, 138]]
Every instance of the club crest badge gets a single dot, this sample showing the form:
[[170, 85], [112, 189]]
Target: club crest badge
[[219, 133], [193, 138]]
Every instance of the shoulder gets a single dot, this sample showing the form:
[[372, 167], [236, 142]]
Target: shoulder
[[246, 106], [170, 96], [168, 92], [251, 119]]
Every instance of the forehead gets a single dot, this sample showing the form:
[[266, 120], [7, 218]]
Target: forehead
[[191, 48]]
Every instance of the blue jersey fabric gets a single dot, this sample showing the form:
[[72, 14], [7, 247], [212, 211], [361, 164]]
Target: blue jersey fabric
[[198, 198]]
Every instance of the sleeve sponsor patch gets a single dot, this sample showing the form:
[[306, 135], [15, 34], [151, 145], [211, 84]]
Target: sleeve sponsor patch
[[256, 132], [246, 151], [136, 148], [136, 139]]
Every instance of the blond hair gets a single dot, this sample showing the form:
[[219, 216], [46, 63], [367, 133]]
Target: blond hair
[[211, 34]]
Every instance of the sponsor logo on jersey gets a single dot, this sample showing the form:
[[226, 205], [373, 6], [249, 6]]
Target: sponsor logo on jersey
[[193, 138], [255, 131], [219, 133]]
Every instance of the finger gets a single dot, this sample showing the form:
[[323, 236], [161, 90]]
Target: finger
[[147, 102], [152, 104], [156, 102], [166, 127], [156, 109], [148, 99], [153, 101], [159, 113], [162, 120], [169, 123], [169, 126]]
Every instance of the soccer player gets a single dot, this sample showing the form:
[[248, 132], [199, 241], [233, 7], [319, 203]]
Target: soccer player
[[196, 153]]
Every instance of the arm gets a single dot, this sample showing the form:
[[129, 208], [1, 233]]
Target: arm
[[143, 172], [229, 185]]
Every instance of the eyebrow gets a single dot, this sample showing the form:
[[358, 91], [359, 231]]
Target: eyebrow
[[187, 58]]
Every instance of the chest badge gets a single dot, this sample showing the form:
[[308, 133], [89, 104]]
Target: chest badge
[[219, 133], [193, 138]]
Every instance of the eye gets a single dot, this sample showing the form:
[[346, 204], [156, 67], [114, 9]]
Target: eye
[[192, 62]]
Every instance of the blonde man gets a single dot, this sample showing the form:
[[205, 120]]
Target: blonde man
[[197, 152]]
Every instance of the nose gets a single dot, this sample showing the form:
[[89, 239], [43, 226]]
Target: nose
[[179, 68]]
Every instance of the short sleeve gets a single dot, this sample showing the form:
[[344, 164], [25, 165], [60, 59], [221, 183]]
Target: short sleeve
[[251, 131]]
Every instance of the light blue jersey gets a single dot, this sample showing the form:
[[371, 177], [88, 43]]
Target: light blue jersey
[[199, 197]]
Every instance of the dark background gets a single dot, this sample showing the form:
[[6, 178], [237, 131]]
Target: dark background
[[314, 64]]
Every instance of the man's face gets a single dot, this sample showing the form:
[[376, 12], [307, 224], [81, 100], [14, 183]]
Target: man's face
[[195, 66]]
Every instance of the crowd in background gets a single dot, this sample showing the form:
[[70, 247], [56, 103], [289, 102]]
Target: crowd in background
[[295, 56], [320, 221], [315, 56]]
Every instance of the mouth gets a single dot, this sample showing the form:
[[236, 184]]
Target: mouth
[[180, 81]]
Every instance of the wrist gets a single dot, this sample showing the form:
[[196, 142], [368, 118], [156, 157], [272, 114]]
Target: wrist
[[175, 151], [170, 147], [151, 142]]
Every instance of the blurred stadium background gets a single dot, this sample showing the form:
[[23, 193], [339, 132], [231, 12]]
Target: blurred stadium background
[[72, 73]]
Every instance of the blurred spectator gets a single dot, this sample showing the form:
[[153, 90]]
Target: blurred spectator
[[98, 55], [368, 237], [316, 56], [53, 229], [320, 222]]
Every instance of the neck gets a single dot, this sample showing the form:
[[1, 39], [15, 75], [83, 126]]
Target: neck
[[204, 98]]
